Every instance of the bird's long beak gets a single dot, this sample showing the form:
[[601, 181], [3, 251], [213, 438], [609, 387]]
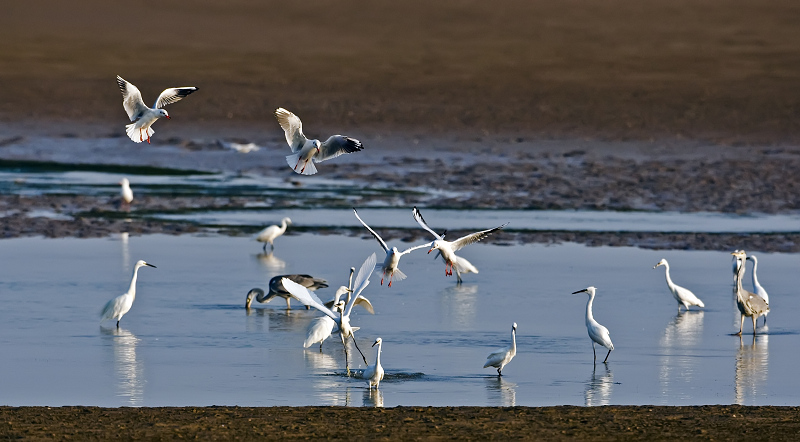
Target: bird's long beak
[[655, 266], [168, 118], [429, 251], [151, 265], [579, 291], [375, 343]]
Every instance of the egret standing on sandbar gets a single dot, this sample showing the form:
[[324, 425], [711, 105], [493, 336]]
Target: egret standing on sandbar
[[597, 332], [749, 303], [117, 307], [389, 267], [374, 373], [760, 291], [684, 296], [500, 358], [268, 235]]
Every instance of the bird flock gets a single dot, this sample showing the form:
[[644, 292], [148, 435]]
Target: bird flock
[[336, 312]]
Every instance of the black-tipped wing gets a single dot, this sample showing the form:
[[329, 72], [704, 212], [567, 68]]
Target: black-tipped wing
[[172, 95], [421, 222], [473, 238], [337, 145], [380, 240], [131, 99]]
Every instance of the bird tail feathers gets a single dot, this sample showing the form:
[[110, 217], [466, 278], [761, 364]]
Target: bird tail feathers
[[136, 135], [301, 167]]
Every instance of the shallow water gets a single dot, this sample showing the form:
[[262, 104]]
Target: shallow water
[[189, 341]]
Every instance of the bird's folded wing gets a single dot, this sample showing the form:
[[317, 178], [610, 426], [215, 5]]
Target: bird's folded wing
[[131, 99], [337, 145], [473, 238], [172, 95], [292, 128]]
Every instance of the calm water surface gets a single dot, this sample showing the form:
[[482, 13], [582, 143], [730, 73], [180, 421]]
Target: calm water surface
[[189, 341]]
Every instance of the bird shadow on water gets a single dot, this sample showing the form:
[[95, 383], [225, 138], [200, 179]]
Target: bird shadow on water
[[752, 369], [128, 370], [501, 393], [600, 386]]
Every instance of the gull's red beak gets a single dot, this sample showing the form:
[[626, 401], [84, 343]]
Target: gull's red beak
[[429, 251], [168, 118]]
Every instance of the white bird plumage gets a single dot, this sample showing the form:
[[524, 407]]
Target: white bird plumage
[[503, 356], [374, 373], [269, 233], [142, 116], [447, 249], [125, 190], [683, 295], [306, 152], [597, 332], [119, 306], [748, 303], [390, 263]]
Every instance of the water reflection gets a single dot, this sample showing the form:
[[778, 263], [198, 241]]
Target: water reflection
[[373, 398], [752, 369], [270, 262], [598, 389], [677, 365], [500, 392], [129, 371], [459, 304], [126, 253], [318, 360]]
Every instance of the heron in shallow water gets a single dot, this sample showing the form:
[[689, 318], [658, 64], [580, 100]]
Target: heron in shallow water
[[268, 235], [749, 304], [276, 289], [683, 295], [374, 373], [500, 358], [117, 307], [597, 332]]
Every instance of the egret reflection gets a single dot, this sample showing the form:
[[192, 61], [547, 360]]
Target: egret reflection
[[318, 360], [373, 398], [678, 363], [459, 305], [501, 393], [270, 262], [752, 369], [128, 370], [126, 253], [599, 387]]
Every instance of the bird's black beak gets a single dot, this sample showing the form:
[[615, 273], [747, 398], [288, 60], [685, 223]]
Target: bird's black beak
[[579, 291], [151, 265], [375, 343]]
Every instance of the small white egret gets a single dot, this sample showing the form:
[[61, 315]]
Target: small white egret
[[683, 295], [321, 328], [760, 291], [374, 373], [125, 191], [276, 289], [597, 332], [117, 307], [268, 235], [306, 152], [389, 267], [749, 304], [143, 116], [448, 248], [503, 356]]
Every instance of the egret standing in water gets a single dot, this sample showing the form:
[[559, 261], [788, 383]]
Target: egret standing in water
[[389, 267], [684, 296], [597, 332], [268, 235], [374, 373], [760, 291], [749, 304], [117, 307], [125, 191], [276, 289], [501, 357]]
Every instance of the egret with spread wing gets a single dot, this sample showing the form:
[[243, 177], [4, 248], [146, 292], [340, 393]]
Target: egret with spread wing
[[389, 267]]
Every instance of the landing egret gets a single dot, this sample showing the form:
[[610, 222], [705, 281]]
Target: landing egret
[[500, 358], [143, 116], [684, 296], [321, 328], [276, 289], [597, 332], [760, 291], [392, 260], [448, 248], [117, 307], [374, 373], [268, 235], [343, 319], [749, 303], [125, 191], [306, 152]]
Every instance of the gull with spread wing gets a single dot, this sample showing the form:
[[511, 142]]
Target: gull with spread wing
[[142, 116], [392, 260]]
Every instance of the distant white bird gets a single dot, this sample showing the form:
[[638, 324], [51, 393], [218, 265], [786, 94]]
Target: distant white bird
[[760, 291], [684, 296], [748, 303], [276, 289], [389, 267], [503, 356], [239, 147], [597, 332], [374, 373], [125, 191], [268, 235], [306, 152], [448, 248], [117, 307], [143, 116]]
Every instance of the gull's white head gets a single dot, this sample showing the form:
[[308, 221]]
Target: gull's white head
[[435, 245], [663, 262], [589, 290], [163, 113], [317, 145]]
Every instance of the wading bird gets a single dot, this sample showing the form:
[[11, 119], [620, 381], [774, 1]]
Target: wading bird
[[125, 191], [276, 289], [142, 116], [760, 291], [597, 332], [321, 328], [389, 267], [448, 248], [500, 358], [684, 296], [306, 152], [268, 235], [749, 304], [374, 373], [117, 307]]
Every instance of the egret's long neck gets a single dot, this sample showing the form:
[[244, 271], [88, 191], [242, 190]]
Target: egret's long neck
[[132, 288], [513, 340], [669, 280], [378, 356], [755, 278], [283, 226], [589, 316]]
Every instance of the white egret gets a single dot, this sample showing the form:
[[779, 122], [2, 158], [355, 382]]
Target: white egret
[[500, 358], [361, 301], [143, 116], [117, 307], [321, 328], [306, 152], [448, 248], [268, 235], [760, 291], [597, 332], [683, 295], [749, 304], [343, 319], [276, 289], [389, 267], [125, 191], [374, 373]]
